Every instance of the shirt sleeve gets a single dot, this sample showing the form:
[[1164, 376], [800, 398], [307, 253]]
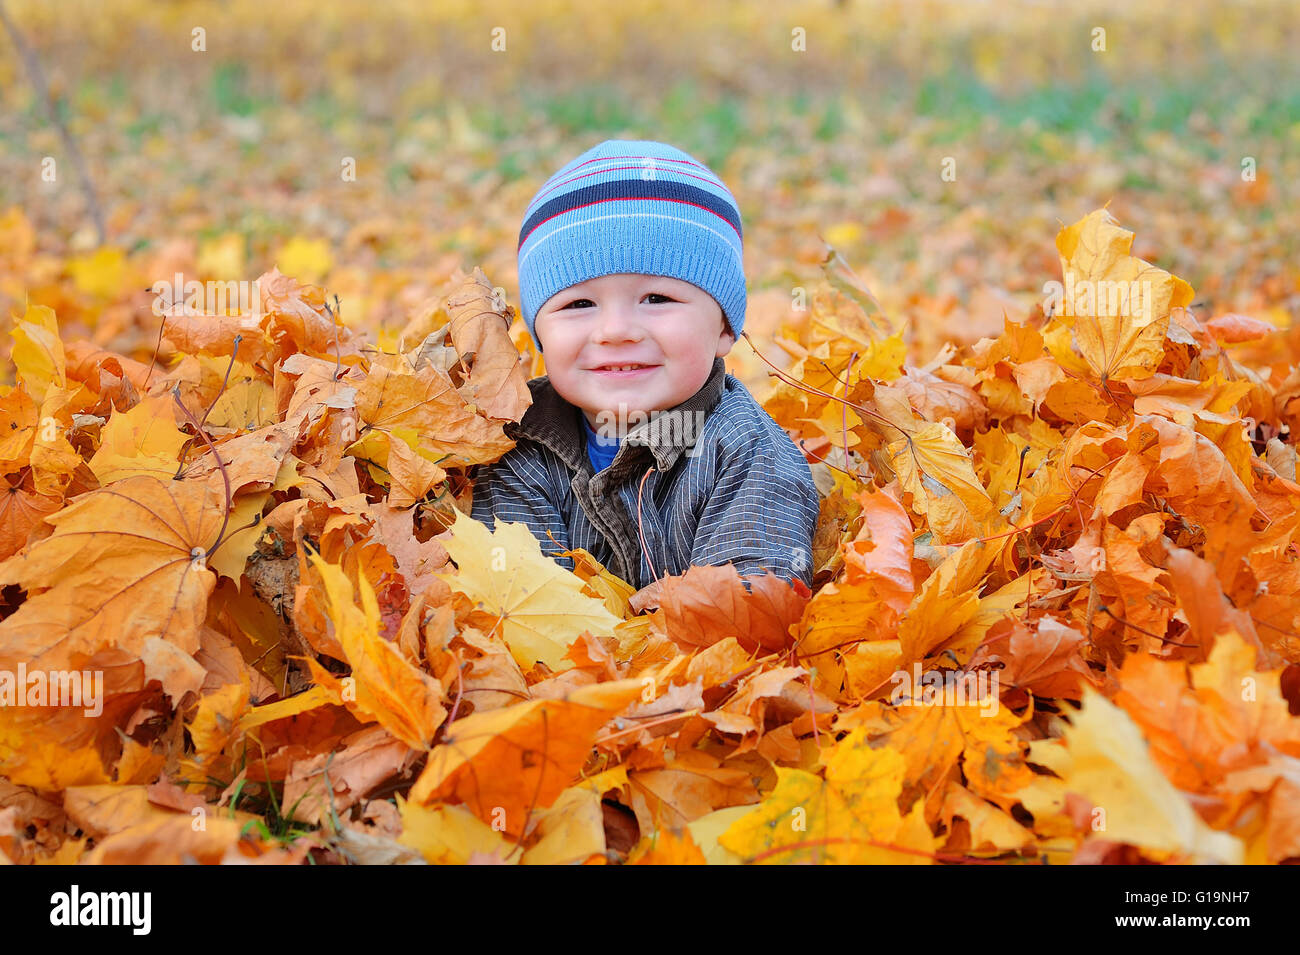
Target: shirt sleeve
[[762, 512], [520, 488]]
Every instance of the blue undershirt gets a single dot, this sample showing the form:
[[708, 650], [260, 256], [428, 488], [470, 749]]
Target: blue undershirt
[[601, 451]]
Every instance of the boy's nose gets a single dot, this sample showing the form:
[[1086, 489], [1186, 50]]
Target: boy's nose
[[616, 323]]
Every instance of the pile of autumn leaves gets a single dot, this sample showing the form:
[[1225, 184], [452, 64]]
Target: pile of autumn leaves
[[307, 649]]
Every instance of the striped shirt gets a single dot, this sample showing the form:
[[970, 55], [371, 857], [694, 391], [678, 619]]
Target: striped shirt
[[728, 485]]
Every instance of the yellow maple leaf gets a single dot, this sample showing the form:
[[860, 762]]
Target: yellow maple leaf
[[214, 727], [1133, 801], [572, 830], [143, 440], [948, 600], [849, 817], [222, 257], [991, 829], [38, 352], [102, 273], [938, 472], [1117, 304], [404, 700], [124, 566], [307, 260], [934, 737], [449, 835], [247, 402], [27, 760], [309, 699], [601, 583], [541, 606]]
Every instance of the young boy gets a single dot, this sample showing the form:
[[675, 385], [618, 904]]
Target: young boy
[[639, 447]]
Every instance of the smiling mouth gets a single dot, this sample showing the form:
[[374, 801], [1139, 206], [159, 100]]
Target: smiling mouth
[[632, 366]]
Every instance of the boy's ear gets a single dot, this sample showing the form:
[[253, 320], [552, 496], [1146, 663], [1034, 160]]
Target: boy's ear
[[725, 341]]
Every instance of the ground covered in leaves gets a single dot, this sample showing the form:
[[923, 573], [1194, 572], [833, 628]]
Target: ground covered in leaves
[[310, 652]]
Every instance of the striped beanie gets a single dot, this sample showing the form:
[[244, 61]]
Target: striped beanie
[[632, 206]]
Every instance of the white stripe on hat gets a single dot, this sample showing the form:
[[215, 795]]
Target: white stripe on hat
[[552, 188]]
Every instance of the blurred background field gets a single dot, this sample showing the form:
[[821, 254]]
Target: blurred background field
[[225, 162]]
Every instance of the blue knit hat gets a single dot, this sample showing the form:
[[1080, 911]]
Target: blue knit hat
[[632, 206]]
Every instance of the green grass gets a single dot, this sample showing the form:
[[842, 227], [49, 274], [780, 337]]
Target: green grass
[[712, 123], [1134, 180], [260, 799], [831, 125], [1109, 111], [324, 109], [148, 125], [591, 109], [230, 90], [710, 127], [509, 167]]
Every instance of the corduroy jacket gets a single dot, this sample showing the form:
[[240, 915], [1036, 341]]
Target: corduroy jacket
[[728, 486]]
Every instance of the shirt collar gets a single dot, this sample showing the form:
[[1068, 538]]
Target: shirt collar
[[554, 422]]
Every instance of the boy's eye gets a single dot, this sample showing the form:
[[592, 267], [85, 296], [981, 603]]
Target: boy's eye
[[585, 302]]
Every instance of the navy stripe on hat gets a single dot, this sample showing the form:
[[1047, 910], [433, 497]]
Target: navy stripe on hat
[[666, 189]]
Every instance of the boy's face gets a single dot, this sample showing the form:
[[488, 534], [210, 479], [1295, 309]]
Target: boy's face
[[672, 327]]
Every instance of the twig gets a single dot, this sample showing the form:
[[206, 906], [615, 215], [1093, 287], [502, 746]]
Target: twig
[[844, 415], [640, 531], [37, 76]]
